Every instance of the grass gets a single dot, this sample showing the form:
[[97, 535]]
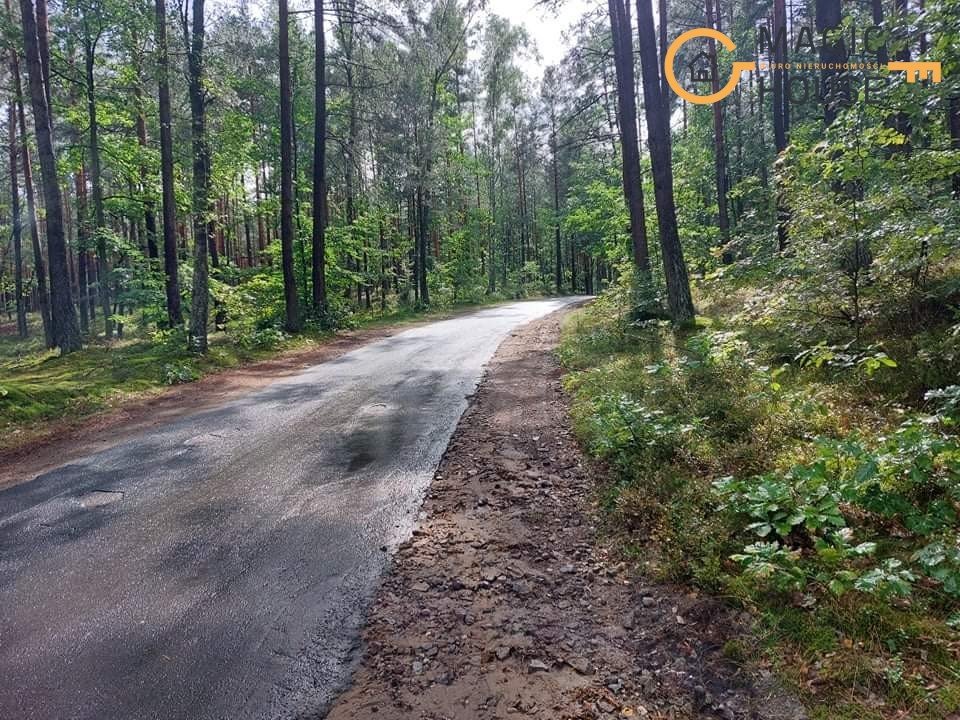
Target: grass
[[674, 411], [38, 386]]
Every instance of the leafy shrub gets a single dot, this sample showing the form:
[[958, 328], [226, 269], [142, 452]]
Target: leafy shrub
[[253, 311], [178, 373], [808, 514]]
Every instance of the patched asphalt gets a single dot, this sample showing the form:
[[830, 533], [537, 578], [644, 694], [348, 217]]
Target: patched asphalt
[[220, 566]]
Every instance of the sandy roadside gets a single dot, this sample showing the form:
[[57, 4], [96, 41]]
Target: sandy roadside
[[505, 602]]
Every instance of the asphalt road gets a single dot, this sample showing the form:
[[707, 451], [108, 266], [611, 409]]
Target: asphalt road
[[219, 567]]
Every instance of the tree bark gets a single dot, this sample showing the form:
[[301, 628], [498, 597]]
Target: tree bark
[[834, 88], [424, 225], [953, 123], [149, 208], [629, 143], [43, 44], [719, 140], [83, 282], [781, 115], [658, 131], [291, 312], [39, 265], [900, 121], [318, 269], [16, 229], [168, 199], [96, 181], [556, 202], [66, 332], [202, 215]]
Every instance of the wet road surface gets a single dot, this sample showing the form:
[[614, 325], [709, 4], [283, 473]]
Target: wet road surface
[[219, 566]]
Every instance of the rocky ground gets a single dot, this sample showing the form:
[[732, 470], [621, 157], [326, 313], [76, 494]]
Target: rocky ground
[[506, 602]]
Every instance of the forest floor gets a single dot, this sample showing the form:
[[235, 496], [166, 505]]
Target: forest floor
[[30, 448], [507, 602]]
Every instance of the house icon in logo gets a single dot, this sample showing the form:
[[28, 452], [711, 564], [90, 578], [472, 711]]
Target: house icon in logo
[[701, 68]]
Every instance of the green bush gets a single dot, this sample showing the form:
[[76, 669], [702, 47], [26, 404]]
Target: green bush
[[792, 477]]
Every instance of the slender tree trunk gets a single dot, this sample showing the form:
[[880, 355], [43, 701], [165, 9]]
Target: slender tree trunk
[[168, 200], [66, 333], [318, 269], [556, 203], [16, 229], [149, 208], [96, 182], [39, 265], [664, 85], [292, 314], [629, 144], [423, 212], [202, 212], [80, 188], [953, 123], [781, 116], [658, 132], [900, 121], [43, 43], [346, 30], [719, 140], [834, 87], [88, 268]]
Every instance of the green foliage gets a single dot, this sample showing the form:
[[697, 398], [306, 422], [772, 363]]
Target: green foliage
[[778, 473], [254, 311]]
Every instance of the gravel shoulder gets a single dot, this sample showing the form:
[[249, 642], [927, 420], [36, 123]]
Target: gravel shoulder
[[506, 601]]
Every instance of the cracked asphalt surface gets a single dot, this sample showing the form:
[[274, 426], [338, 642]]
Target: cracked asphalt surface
[[220, 566]]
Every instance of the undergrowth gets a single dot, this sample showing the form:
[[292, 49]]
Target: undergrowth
[[38, 385], [818, 486]]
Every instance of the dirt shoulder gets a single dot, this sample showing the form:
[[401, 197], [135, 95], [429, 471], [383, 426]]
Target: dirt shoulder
[[505, 603], [64, 440]]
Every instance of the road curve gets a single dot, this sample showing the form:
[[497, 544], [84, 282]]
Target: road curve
[[219, 566]]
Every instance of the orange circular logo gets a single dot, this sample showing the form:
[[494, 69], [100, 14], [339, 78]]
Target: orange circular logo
[[738, 67]]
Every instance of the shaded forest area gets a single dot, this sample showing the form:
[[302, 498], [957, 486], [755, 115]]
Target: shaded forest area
[[238, 159], [794, 449]]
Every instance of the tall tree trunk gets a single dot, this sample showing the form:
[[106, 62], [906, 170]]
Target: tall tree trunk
[[202, 212], [719, 139], [900, 121], [80, 188], [423, 208], [96, 181], [318, 269], [261, 230], [66, 332], [629, 143], [664, 85], [346, 29], [16, 229], [149, 208], [556, 202], [781, 115], [658, 132], [39, 265], [171, 268], [834, 87], [43, 44], [291, 312], [953, 123]]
